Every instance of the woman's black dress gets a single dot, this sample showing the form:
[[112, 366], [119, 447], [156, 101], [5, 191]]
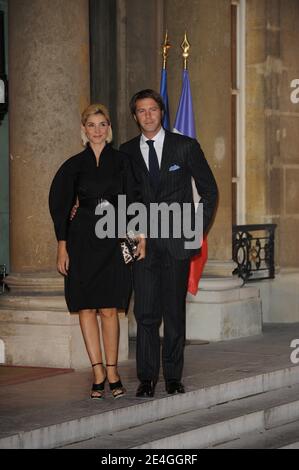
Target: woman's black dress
[[97, 275]]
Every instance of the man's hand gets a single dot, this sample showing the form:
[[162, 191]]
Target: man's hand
[[141, 247], [62, 258], [74, 211]]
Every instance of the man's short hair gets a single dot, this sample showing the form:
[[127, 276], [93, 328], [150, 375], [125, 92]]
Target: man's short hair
[[148, 93]]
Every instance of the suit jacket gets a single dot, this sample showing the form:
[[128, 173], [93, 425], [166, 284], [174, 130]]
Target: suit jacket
[[182, 158]]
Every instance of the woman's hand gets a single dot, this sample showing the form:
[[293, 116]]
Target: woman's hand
[[62, 258], [141, 247]]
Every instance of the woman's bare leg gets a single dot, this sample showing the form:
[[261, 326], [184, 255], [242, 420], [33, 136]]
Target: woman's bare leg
[[110, 332], [91, 335]]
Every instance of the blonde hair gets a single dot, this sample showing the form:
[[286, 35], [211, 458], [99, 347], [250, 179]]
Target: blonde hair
[[96, 108]]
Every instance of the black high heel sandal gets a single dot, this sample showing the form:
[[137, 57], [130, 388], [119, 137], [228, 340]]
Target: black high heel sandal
[[117, 388], [99, 388]]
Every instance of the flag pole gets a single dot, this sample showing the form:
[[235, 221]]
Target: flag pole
[[163, 83], [165, 47], [186, 47]]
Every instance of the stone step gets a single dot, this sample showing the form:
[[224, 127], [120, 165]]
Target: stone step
[[130, 412], [294, 445], [203, 428], [280, 437]]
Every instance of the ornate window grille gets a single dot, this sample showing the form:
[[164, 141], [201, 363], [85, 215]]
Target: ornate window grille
[[253, 251]]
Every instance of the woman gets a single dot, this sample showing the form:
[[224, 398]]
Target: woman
[[96, 277]]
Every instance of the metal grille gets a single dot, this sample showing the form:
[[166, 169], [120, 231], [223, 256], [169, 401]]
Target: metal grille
[[253, 251]]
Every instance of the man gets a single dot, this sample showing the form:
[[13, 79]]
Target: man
[[163, 163]]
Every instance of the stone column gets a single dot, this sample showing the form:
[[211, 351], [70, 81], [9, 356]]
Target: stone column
[[49, 88]]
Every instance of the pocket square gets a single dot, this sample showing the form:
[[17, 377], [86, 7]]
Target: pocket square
[[174, 168]]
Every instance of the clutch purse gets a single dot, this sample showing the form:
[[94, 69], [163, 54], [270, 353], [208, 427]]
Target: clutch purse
[[128, 248]]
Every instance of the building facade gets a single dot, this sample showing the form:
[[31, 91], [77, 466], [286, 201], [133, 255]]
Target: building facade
[[244, 70]]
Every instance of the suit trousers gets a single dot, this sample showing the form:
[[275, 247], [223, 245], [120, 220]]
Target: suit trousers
[[160, 288]]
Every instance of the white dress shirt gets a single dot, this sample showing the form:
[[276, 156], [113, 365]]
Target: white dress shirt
[[158, 144]]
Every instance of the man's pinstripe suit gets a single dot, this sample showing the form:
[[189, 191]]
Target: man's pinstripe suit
[[160, 280]]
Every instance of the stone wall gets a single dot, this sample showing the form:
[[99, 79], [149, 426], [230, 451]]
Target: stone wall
[[207, 23], [272, 146]]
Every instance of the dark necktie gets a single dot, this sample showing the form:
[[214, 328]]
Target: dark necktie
[[153, 164]]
